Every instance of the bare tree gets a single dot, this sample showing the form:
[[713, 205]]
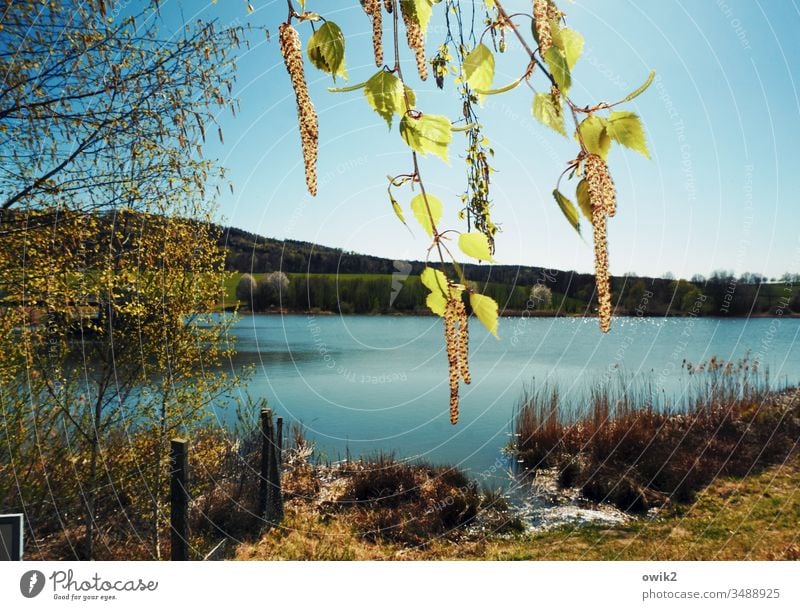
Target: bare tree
[[272, 289], [246, 288], [542, 296], [100, 110]]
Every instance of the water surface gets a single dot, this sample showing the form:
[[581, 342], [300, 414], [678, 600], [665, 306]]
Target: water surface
[[362, 384]]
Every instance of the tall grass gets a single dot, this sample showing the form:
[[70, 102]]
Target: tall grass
[[631, 444]]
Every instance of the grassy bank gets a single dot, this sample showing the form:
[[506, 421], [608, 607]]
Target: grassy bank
[[749, 518]]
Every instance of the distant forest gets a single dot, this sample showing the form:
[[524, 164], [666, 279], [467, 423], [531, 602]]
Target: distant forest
[[335, 280]]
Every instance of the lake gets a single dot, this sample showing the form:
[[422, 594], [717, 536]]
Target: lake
[[363, 384]]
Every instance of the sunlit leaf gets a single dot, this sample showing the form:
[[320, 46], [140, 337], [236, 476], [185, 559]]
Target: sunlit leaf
[[595, 135], [479, 67], [435, 281], [568, 209], [475, 245], [548, 112], [428, 133], [584, 203], [385, 93], [326, 49], [485, 309], [626, 128], [436, 303], [557, 64], [397, 209], [424, 213], [571, 44]]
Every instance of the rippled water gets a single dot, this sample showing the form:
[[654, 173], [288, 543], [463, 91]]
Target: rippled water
[[368, 383]]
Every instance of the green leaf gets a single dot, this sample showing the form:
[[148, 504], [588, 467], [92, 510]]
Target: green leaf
[[548, 112], [428, 133], [435, 281], [436, 303], [584, 203], [568, 209], [475, 245], [385, 93], [626, 128], [420, 211], [479, 67], [557, 63], [397, 209], [595, 136], [485, 309], [637, 92], [570, 43], [326, 49]]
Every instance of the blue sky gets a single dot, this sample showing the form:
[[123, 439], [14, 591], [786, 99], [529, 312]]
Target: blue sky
[[722, 123]]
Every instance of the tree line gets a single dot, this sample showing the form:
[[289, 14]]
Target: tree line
[[320, 277]]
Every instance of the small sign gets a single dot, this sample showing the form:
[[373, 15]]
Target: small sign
[[11, 532]]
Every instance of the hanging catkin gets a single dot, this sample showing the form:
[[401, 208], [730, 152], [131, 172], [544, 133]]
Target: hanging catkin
[[452, 348], [603, 199], [601, 270], [601, 186], [541, 22], [553, 14], [463, 342], [373, 9], [416, 41], [306, 114]]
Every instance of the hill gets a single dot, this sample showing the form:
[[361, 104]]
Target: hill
[[334, 279]]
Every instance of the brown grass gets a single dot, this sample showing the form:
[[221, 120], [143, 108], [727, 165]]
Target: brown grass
[[636, 449]]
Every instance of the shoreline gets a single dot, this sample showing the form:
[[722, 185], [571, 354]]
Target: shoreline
[[508, 313]]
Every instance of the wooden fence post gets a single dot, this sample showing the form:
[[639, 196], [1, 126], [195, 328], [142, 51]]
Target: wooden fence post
[[270, 499], [279, 441], [276, 497], [263, 489], [179, 499]]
